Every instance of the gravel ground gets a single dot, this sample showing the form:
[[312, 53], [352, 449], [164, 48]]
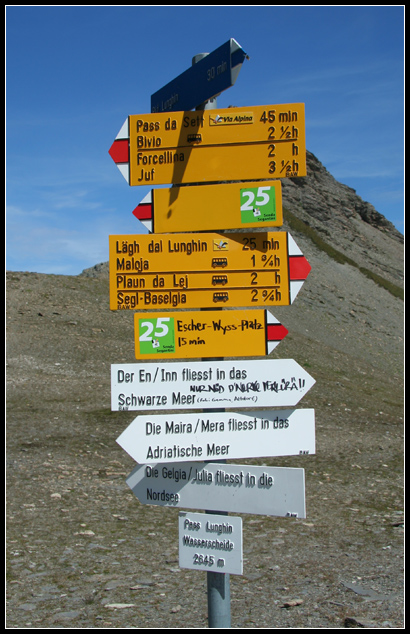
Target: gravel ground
[[82, 552]]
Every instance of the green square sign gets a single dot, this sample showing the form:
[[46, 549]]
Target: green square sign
[[156, 335], [258, 204]]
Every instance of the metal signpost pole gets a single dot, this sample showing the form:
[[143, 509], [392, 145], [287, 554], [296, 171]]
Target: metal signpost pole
[[218, 583], [219, 597]]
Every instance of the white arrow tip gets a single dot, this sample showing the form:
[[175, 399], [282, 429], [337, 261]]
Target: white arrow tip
[[293, 248], [125, 170], [148, 199], [271, 319], [295, 287], [271, 345], [124, 132]]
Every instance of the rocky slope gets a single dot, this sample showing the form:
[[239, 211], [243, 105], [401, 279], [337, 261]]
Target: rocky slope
[[83, 552], [345, 221]]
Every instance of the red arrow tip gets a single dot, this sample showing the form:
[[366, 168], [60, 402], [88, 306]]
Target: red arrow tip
[[119, 151], [143, 212], [299, 267], [276, 332]]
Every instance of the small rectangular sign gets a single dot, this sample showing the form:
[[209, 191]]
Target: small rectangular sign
[[210, 542], [208, 384], [230, 488], [204, 334]]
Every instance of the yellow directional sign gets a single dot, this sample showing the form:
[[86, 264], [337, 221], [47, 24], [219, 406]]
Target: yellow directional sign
[[257, 124], [205, 334], [198, 280], [212, 207], [216, 163], [212, 145], [201, 252], [167, 299], [203, 270]]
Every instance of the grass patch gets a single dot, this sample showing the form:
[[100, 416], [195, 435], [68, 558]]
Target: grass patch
[[296, 224]]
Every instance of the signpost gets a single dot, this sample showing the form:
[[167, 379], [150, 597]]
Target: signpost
[[178, 437], [275, 491], [194, 334], [212, 207], [202, 81], [173, 145], [207, 542], [208, 384], [205, 270], [260, 142]]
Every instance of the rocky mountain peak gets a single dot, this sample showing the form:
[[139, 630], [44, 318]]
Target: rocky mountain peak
[[345, 221]]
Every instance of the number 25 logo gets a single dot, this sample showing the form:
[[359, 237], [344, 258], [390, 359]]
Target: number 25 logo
[[259, 199], [160, 331]]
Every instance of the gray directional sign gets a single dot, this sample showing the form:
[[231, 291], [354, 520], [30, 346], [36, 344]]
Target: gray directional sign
[[203, 81], [278, 491]]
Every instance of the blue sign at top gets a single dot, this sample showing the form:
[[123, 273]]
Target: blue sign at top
[[203, 81]]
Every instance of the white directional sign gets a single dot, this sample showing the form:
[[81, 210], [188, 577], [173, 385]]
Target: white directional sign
[[278, 491], [208, 384], [210, 542], [179, 437]]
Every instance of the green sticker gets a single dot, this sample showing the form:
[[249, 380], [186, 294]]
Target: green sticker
[[258, 204], [156, 335]]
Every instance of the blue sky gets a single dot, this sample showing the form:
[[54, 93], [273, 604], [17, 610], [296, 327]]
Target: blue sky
[[74, 73]]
